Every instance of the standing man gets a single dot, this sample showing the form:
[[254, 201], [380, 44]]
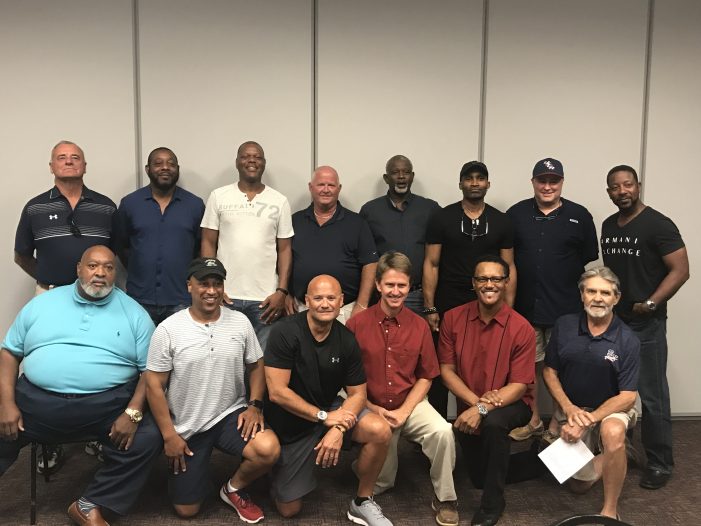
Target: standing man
[[82, 348], [330, 239], [398, 222], [57, 226], [591, 369], [157, 235], [554, 239], [457, 236], [55, 229], [646, 251], [400, 363], [310, 357], [248, 226], [196, 391], [487, 352]]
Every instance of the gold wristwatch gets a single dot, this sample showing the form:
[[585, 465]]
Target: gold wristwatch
[[134, 415]]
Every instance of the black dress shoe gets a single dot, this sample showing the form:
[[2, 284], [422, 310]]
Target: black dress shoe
[[484, 518], [654, 479]]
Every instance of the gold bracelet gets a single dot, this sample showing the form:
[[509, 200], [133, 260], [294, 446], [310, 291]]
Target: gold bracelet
[[340, 428]]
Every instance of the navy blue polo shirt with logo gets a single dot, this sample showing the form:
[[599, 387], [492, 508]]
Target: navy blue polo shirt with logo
[[593, 369], [59, 235]]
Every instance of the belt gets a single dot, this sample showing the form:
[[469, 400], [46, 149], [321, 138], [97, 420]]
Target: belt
[[69, 395]]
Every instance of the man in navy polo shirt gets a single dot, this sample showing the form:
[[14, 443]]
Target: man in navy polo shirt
[[157, 235], [591, 369], [54, 230], [57, 226], [330, 239], [398, 222], [554, 239]]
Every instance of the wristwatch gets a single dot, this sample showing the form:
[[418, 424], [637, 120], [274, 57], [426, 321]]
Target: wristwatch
[[482, 409], [256, 403], [651, 305], [321, 415], [134, 415]]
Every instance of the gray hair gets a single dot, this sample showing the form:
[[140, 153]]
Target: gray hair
[[60, 143], [602, 272]]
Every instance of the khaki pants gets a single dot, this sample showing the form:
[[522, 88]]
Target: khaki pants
[[428, 428]]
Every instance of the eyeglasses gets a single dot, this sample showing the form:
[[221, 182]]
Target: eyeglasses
[[485, 279], [70, 219], [478, 227]]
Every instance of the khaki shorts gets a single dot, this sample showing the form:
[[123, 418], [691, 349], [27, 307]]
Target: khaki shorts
[[542, 337], [592, 439]]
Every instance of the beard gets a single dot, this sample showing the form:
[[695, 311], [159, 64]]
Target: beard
[[164, 187], [96, 292], [597, 311]]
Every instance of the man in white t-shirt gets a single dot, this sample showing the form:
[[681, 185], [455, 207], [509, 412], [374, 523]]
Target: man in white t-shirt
[[248, 226], [201, 355]]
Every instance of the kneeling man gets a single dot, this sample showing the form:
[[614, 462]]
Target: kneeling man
[[487, 355], [400, 364], [82, 347], [591, 369], [309, 357], [200, 355]]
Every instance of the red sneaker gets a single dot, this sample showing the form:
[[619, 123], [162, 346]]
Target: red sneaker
[[240, 500]]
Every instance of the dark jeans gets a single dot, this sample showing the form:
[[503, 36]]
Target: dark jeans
[[654, 393], [253, 312], [488, 455], [159, 313], [438, 392], [50, 418]]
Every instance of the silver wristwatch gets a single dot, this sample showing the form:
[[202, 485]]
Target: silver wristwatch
[[321, 415], [482, 409], [651, 305]]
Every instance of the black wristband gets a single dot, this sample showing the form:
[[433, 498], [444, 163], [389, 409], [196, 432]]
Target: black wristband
[[256, 403], [430, 310], [284, 291]]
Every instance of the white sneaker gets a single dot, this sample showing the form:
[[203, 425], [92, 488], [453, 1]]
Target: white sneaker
[[368, 513]]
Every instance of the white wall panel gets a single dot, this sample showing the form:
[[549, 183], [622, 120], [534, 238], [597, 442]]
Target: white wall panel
[[216, 73], [564, 79], [398, 77], [672, 181], [67, 74]]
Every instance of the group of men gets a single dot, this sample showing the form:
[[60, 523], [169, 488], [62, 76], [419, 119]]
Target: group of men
[[263, 378]]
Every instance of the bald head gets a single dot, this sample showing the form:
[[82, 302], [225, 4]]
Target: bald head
[[96, 272], [324, 188], [324, 300]]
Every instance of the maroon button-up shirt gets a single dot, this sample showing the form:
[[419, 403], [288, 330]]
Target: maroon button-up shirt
[[396, 352]]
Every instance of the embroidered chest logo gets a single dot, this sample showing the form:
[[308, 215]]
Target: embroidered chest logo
[[53, 216], [611, 356], [336, 360]]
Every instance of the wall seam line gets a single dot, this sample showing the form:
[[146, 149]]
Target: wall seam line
[[646, 93], [137, 93], [483, 82]]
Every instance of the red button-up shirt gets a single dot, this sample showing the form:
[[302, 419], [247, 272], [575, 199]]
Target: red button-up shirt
[[396, 352], [490, 355]]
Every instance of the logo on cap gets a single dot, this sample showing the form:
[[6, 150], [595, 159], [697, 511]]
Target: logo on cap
[[210, 262], [549, 165]]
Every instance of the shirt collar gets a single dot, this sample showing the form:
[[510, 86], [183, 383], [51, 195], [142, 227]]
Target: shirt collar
[[379, 315], [610, 334], [337, 215], [501, 317], [86, 193], [409, 198], [148, 193]]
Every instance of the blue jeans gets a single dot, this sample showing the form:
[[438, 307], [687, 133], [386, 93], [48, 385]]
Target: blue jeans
[[253, 311], [415, 301], [654, 392], [159, 313]]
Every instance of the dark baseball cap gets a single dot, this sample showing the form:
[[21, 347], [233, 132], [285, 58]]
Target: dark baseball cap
[[472, 167], [203, 267], [548, 166]]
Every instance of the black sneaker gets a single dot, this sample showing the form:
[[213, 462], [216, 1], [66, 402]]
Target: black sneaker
[[53, 462]]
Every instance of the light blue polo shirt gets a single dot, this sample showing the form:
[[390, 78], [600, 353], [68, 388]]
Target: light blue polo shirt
[[72, 345]]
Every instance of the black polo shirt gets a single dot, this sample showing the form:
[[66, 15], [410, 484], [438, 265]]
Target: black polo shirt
[[318, 370], [460, 252], [340, 248], [550, 252], [402, 230], [593, 369], [45, 227]]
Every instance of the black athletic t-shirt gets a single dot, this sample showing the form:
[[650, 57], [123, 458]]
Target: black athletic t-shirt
[[460, 251], [318, 370], [634, 252]]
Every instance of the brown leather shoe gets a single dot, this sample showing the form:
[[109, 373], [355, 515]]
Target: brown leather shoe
[[94, 518]]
